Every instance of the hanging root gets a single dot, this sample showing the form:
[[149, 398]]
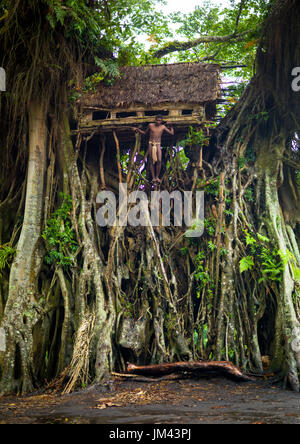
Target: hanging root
[[79, 367]]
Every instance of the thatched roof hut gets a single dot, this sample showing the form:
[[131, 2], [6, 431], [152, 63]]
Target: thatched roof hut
[[184, 93], [186, 83]]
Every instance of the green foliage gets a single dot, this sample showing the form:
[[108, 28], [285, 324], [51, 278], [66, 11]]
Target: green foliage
[[201, 334], [184, 251], [213, 187], [210, 226], [208, 19], [77, 19], [183, 159], [246, 263], [109, 71], [248, 195], [211, 246], [266, 260], [194, 137], [271, 265], [289, 258], [107, 21], [202, 276], [128, 309], [7, 254], [228, 213], [262, 116], [250, 155], [223, 252], [59, 235], [170, 322]]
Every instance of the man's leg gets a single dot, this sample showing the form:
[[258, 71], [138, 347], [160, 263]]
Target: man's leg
[[158, 165], [151, 162]]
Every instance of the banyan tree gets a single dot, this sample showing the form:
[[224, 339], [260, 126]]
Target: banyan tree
[[80, 300]]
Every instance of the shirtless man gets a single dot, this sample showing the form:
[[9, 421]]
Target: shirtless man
[[156, 130]]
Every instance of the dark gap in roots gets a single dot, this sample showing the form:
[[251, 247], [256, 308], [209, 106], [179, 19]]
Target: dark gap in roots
[[80, 257], [42, 278], [124, 285], [54, 342], [40, 349], [297, 230], [17, 367], [266, 327], [90, 297], [105, 244], [196, 302], [128, 355]]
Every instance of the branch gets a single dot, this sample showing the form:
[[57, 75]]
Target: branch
[[183, 46], [233, 66], [242, 4]]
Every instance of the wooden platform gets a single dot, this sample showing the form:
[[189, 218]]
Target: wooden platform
[[99, 121]]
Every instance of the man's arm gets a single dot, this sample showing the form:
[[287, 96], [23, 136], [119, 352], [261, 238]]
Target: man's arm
[[169, 131], [138, 130]]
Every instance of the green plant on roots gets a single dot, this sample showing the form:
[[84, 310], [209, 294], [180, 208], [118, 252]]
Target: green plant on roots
[[213, 187], [201, 337], [202, 276], [269, 262], [195, 137], [210, 226], [59, 235], [7, 254]]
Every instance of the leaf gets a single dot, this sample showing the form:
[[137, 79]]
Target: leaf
[[246, 263], [250, 240], [263, 238]]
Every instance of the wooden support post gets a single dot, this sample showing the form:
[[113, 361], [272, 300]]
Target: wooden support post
[[118, 156], [201, 157], [135, 151], [102, 176]]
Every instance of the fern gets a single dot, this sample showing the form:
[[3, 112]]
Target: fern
[[60, 14], [6, 257], [59, 235], [108, 67], [246, 263]]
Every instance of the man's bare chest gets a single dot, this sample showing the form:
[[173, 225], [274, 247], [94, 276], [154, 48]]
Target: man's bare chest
[[156, 131]]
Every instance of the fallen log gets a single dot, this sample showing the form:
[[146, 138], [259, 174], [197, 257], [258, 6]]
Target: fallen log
[[223, 368], [140, 378]]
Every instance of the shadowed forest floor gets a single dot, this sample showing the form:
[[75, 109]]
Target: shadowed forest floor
[[202, 401]]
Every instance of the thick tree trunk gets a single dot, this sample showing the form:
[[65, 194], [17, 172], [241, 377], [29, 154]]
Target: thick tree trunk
[[20, 311]]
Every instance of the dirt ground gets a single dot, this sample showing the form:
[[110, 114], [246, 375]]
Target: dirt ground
[[202, 401]]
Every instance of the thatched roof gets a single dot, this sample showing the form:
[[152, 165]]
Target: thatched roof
[[158, 84]]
